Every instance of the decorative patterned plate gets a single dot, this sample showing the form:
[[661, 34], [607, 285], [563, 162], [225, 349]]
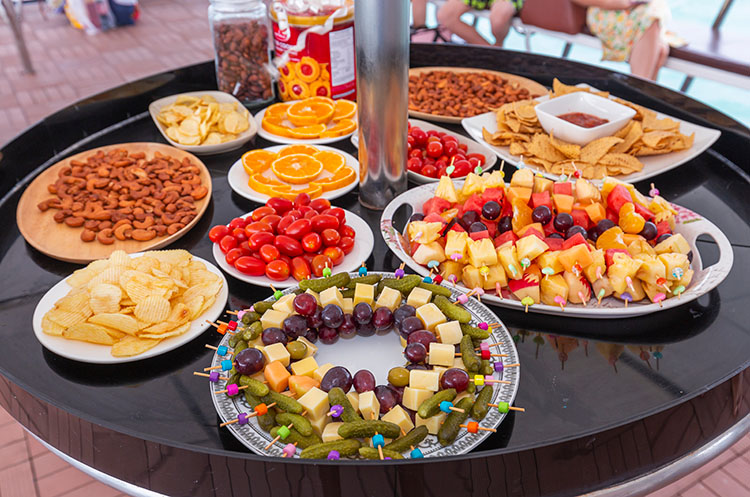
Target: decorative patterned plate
[[363, 353], [690, 224]]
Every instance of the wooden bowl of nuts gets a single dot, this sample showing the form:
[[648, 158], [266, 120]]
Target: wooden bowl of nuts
[[130, 196]]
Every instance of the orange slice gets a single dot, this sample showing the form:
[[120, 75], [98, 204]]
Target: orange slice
[[275, 126], [257, 161], [276, 110], [292, 194], [322, 99], [344, 109], [331, 161], [297, 169], [342, 178], [305, 113], [261, 184], [313, 191], [341, 128], [298, 149], [307, 132]]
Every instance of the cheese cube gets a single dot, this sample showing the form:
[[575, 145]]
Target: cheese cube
[[315, 401], [319, 425], [305, 366], [441, 354], [390, 298], [276, 352], [353, 399], [285, 304], [273, 318], [402, 341], [413, 397], [369, 405], [314, 294], [348, 306], [419, 297], [364, 293], [461, 396], [331, 296], [433, 423], [449, 332], [424, 379], [458, 363], [311, 348], [331, 432], [430, 316], [321, 371], [398, 416], [277, 376], [440, 370]]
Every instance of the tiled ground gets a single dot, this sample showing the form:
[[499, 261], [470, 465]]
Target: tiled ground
[[71, 65]]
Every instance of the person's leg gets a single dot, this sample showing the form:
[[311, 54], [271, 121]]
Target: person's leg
[[418, 12], [501, 15], [648, 53], [449, 15]]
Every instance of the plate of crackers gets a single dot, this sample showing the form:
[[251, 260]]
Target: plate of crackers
[[649, 144], [130, 307], [203, 122]]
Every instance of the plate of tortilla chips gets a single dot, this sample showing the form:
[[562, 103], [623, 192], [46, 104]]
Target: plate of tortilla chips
[[650, 144]]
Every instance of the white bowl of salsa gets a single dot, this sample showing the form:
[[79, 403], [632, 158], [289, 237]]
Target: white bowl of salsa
[[582, 117]]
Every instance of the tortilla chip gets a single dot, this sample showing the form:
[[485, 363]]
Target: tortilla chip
[[652, 123], [635, 132], [569, 150], [625, 163], [541, 147], [596, 149]]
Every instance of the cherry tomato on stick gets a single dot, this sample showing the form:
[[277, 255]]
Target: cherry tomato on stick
[[319, 263]]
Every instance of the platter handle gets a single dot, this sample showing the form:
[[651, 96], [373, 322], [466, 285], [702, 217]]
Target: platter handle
[[720, 269]]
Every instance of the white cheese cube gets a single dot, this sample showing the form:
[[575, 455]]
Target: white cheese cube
[[285, 304], [348, 306], [331, 432], [276, 352], [433, 423], [273, 318], [398, 416], [390, 298], [364, 293], [419, 297], [331, 296], [424, 379], [314, 294], [321, 371], [413, 397], [441, 354], [319, 425], [369, 405], [430, 316], [459, 363], [315, 401], [449, 332], [305, 366], [353, 399], [440, 370]]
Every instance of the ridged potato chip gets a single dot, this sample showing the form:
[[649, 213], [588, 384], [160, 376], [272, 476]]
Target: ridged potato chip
[[203, 121], [87, 332], [179, 330], [51, 328], [131, 346], [152, 309], [105, 298], [121, 322]]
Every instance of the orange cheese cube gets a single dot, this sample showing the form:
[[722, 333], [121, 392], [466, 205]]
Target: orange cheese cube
[[520, 192], [277, 376], [300, 385], [563, 203]]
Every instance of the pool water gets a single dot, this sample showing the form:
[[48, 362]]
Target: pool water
[[731, 100]]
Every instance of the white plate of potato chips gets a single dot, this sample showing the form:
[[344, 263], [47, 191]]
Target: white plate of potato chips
[[650, 144], [203, 122], [130, 307]]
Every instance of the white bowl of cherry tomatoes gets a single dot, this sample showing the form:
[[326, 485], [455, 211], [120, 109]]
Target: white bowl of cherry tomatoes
[[432, 149]]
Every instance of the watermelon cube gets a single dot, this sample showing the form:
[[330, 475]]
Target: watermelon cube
[[478, 235], [542, 198], [618, 197], [580, 218], [562, 188], [435, 205], [554, 243], [576, 239], [643, 211], [503, 238]]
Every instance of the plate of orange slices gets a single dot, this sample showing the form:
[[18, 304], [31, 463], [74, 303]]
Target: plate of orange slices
[[286, 170], [314, 120]]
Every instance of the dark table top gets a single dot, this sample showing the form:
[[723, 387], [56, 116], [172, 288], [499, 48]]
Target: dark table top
[[605, 400]]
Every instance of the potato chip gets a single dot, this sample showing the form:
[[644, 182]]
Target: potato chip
[[202, 120], [152, 309], [194, 306], [51, 328], [179, 330], [175, 257], [67, 319], [73, 302], [130, 346], [117, 321], [88, 332], [119, 258], [105, 298]]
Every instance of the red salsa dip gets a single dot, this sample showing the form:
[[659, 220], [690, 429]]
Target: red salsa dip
[[583, 120]]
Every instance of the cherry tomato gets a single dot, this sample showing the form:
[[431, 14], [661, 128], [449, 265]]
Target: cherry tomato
[[301, 199], [463, 147], [432, 133], [319, 263], [330, 237], [239, 234], [299, 228], [441, 163], [245, 248], [434, 138], [441, 167], [286, 259], [250, 265], [238, 222], [347, 231], [269, 253], [428, 161], [273, 220], [301, 269], [323, 221], [335, 254], [410, 141], [280, 205], [338, 213], [233, 255], [449, 138], [256, 227], [277, 270], [450, 148], [462, 168], [346, 244], [311, 214], [420, 137], [416, 153], [430, 171], [304, 209], [227, 243], [414, 164], [218, 232], [285, 222], [257, 240], [479, 157], [311, 242], [309, 257], [474, 162], [320, 204], [262, 212], [295, 213], [288, 245]]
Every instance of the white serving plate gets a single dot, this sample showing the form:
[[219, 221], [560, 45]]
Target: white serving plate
[[237, 177], [472, 147], [652, 164], [690, 224], [220, 97], [364, 242], [100, 354], [291, 141], [367, 353]]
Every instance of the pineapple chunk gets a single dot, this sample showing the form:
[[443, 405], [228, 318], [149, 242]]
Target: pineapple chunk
[[553, 286], [530, 247], [586, 193], [652, 290], [450, 268], [602, 283], [641, 247], [675, 243], [542, 184], [423, 232], [446, 190], [551, 260], [651, 270], [493, 180], [494, 276], [597, 262], [481, 252], [429, 252], [523, 177], [622, 267], [578, 288], [686, 278], [508, 257], [455, 243], [636, 292], [471, 278], [672, 262], [472, 184]]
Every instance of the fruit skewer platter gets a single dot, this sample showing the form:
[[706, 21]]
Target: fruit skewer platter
[[364, 365]]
